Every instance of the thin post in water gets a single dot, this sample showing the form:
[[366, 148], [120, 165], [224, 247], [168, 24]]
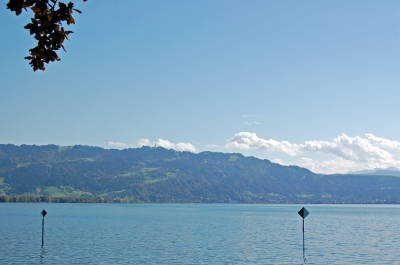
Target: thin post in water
[[304, 245], [303, 213], [43, 215]]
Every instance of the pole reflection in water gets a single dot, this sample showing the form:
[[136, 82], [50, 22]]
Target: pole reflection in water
[[42, 255]]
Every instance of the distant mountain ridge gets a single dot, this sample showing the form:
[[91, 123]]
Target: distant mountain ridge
[[390, 171], [155, 174]]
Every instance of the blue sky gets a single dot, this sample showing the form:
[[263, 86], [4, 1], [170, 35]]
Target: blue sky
[[310, 83]]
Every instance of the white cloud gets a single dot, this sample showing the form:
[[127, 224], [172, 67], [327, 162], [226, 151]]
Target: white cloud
[[338, 165], [167, 144], [383, 142], [279, 161], [160, 142], [119, 145], [252, 123], [348, 153], [144, 142], [306, 163], [250, 141], [249, 123], [212, 146], [351, 148]]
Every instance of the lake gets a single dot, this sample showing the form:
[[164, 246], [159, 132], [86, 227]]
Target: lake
[[199, 234]]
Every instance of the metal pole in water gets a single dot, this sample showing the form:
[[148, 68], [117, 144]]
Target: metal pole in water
[[304, 246], [303, 213], [43, 214]]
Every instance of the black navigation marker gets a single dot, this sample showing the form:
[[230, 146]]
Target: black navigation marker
[[43, 214], [303, 213]]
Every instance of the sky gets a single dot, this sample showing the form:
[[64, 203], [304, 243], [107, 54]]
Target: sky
[[308, 83]]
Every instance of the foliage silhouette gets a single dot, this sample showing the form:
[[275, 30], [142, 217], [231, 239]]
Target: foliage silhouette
[[47, 28]]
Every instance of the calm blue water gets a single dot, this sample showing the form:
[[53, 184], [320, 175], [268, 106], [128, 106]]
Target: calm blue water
[[199, 234]]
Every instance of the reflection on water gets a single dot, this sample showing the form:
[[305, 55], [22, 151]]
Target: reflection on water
[[42, 254], [198, 234]]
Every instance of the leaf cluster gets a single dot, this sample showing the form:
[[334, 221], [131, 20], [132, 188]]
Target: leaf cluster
[[47, 28]]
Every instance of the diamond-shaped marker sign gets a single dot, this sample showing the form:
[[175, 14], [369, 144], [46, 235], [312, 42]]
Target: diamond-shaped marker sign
[[44, 213], [303, 213]]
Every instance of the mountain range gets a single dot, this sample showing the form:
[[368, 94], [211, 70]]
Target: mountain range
[[390, 171], [159, 175]]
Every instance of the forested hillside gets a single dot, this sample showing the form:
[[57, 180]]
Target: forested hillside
[[155, 174]]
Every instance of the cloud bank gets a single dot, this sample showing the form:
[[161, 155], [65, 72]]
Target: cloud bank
[[167, 144], [119, 145], [250, 141], [160, 142], [348, 153], [341, 155]]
